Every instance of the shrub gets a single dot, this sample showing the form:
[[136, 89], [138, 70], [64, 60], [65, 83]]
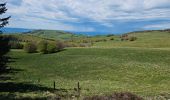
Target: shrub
[[47, 47], [85, 41], [42, 47], [85, 44], [132, 38], [104, 40], [30, 47], [60, 45], [124, 37], [15, 45], [71, 44], [111, 38], [51, 48], [109, 35], [101, 40]]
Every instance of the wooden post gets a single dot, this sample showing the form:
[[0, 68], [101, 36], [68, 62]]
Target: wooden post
[[54, 85], [38, 80], [78, 85], [78, 89]]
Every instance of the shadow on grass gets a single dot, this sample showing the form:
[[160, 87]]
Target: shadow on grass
[[61, 50], [21, 87], [4, 69], [9, 88], [13, 90], [5, 78], [56, 51]]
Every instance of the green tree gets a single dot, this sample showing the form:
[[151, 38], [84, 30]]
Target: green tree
[[4, 47], [60, 45], [30, 47], [51, 48], [42, 47], [15, 45]]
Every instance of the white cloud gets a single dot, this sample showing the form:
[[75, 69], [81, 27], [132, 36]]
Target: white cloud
[[100, 11], [157, 26], [148, 4], [39, 23]]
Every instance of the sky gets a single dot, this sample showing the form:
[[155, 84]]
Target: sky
[[100, 16]]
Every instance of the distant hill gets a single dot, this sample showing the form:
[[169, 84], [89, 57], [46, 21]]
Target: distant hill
[[25, 38], [147, 39], [55, 34], [48, 34], [15, 30], [165, 30]]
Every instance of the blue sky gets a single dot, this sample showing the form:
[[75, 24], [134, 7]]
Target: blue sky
[[103, 16]]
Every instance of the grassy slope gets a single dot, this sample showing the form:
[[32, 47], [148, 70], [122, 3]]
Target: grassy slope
[[154, 39], [27, 37], [142, 71], [53, 34]]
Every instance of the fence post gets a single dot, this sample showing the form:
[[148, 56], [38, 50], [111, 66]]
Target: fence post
[[78, 89], [54, 85], [38, 80]]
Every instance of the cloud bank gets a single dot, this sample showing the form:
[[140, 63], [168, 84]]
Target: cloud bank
[[89, 15]]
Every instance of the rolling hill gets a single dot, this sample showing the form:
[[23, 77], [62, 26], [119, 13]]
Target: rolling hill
[[48, 34], [147, 39], [15, 30], [54, 34], [108, 66]]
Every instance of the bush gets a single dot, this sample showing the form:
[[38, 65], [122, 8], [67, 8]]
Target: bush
[[124, 37], [132, 38], [85, 41], [30, 47], [60, 45], [46, 47], [42, 47], [85, 44], [51, 48], [71, 44], [111, 38], [15, 45], [109, 35], [101, 40]]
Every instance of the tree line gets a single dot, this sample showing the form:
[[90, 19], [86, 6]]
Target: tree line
[[44, 47]]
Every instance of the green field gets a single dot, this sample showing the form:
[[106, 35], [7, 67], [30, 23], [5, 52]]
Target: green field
[[153, 39], [141, 67], [142, 71]]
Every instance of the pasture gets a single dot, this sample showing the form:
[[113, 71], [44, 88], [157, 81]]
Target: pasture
[[151, 39], [142, 71]]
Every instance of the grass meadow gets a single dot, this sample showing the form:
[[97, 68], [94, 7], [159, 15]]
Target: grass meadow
[[110, 65], [153, 39], [142, 71]]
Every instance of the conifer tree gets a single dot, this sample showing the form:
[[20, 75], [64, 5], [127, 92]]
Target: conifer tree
[[4, 47]]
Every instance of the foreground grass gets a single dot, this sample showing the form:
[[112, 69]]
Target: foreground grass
[[142, 71]]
